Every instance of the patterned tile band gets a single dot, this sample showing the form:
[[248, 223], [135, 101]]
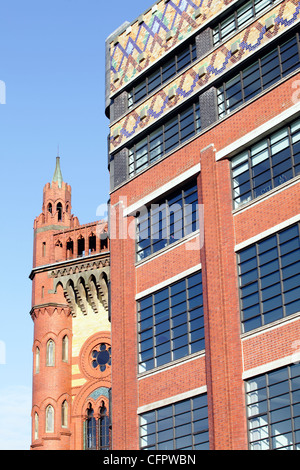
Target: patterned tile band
[[153, 34], [243, 44]]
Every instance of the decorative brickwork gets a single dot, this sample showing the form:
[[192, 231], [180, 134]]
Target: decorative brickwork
[[215, 64], [155, 33]]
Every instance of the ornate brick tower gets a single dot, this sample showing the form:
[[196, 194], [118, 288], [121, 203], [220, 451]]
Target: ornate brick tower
[[71, 348]]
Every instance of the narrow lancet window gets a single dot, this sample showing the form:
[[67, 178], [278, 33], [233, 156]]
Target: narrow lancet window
[[59, 211], [65, 349], [37, 360], [36, 426], [64, 414], [50, 419], [50, 353], [90, 429]]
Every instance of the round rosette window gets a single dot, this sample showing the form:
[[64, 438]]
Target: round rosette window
[[101, 357]]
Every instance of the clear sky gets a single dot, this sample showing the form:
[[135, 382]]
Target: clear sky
[[53, 66]]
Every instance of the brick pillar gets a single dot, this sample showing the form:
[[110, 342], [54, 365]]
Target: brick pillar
[[124, 351], [86, 242], [75, 246], [227, 414], [98, 242]]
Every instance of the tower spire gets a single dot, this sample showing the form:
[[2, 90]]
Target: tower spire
[[57, 177]]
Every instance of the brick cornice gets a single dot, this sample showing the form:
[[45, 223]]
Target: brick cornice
[[104, 257]]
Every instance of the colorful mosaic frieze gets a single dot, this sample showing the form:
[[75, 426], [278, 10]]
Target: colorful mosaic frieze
[[206, 71], [154, 33]]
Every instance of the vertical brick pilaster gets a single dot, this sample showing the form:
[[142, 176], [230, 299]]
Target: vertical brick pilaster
[[221, 308], [124, 336]]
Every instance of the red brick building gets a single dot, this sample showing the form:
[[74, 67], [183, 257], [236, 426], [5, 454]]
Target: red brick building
[[204, 161], [72, 344]]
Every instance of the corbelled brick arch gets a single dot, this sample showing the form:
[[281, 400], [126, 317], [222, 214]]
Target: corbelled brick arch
[[83, 287]]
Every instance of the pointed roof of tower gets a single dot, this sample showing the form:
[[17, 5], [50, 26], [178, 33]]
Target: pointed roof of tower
[[57, 177]]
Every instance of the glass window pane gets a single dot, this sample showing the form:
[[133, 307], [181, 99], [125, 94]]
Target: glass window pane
[[276, 399], [241, 158], [140, 91], [260, 5], [244, 13], [154, 81], [156, 144], [183, 58], [272, 315], [168, 70], [268, 256], [227, 26], [182, 322], [259, 153], [288, 234]]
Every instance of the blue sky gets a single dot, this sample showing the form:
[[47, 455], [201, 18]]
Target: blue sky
[[52, 63]]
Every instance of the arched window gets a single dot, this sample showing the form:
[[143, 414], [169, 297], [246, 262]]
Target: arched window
[[91, 441], [50, 355], [59, 211], [65, 348], [97, 430], [49, 419], [50, 207], [104, 240], [37, 360], [36, 426], [70, 248], [103, 428], [92, 243], [64, 414], [81, 246]]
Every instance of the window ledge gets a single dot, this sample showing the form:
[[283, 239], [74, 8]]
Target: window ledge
[[167, 248], [170, 365], [270, 326], [265, 196]]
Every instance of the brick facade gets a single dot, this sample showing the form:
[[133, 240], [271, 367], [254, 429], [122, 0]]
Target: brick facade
[[156, 311], [230, 357]]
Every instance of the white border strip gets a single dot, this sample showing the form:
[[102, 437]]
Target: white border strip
[[170, 400], [257, 133], [172, 365], [163, 189], [165, 283], [294, 358], [272, 326], [288, 184], [167, 249], [268, 232]]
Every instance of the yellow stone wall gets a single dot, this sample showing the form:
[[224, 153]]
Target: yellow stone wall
[[84, 326]]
